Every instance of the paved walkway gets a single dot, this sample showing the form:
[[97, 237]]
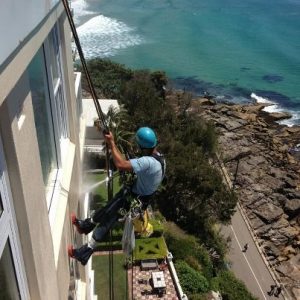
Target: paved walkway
[[248, 266]]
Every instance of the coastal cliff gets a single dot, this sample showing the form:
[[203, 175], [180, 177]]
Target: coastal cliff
[[263, 161]]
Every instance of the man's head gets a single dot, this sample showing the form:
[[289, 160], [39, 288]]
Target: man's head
[[146, 138]]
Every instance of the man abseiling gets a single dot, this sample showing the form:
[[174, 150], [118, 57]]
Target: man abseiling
[[149, 170]]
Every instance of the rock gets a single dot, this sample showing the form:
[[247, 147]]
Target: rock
[[289, 232], [272, 182], [277, 173], [256, 222], [269, 212], [281, 223], [291, 193], [290, 268], [278, 199], [254, 108], [251, 117], [232, 125], [205, 101], [289, 250], [256, 160], [277, 116], [292, 207], [295, 292], [271, 250], [260, 188], [290, 183], [264, 231]]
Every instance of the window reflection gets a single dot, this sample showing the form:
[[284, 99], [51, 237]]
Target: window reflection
[[8, 282], [42, 115]]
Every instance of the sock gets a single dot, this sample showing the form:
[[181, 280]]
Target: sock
[[92, 243]]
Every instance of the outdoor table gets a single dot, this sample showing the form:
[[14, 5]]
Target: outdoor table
[[158, 280]]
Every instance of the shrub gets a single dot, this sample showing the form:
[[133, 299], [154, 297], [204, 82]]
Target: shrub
[[192, 282], [150, 248], [185, 247], [230, 287]]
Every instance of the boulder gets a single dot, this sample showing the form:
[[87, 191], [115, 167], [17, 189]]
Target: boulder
[[268, 212], [290, 268], [292, 207], [205, 101], [290, 232], [256, 222], [277, 116], [278, 199], [271, 250]]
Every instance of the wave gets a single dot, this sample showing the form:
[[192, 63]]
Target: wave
[[103, 37], [260, 99], [80, 9], [275, 107]]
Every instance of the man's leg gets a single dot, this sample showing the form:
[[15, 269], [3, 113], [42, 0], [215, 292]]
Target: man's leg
[[108, 217], [87, 225]]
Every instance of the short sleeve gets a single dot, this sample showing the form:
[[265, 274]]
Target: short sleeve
[[140, 164]]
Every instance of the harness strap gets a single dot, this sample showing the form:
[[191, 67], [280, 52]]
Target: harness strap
[[160, 158]]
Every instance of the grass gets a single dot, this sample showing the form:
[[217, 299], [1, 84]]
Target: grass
[[101, 268]]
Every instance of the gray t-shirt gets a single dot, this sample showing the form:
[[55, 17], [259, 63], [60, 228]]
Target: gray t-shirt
[[149, 175]]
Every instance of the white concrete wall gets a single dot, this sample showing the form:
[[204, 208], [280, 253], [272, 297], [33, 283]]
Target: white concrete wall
[[17, 20]]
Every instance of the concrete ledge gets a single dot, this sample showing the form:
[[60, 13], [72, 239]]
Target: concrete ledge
[[58, 209]]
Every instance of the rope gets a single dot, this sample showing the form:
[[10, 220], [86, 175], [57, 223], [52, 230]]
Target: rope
[[84, 66], [111, 268]]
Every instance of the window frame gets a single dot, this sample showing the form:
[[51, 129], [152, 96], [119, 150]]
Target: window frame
[[9, 229], [57, 106]]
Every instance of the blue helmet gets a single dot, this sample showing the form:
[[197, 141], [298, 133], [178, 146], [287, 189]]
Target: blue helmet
[[146, 138]]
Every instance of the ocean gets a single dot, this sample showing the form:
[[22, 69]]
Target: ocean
[[238, 51]]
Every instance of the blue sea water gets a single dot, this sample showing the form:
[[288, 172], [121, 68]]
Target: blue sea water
[[236, 50]]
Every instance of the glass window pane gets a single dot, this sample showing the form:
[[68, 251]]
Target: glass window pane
[[42, 114], [8, 282], [1, 206], [54, 55]]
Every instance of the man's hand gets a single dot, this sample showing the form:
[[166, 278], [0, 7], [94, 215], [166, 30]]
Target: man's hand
[[109, 138], [120, 162]]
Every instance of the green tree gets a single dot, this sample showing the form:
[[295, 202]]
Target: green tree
[[230, 287], [108, 77], [119, 123]]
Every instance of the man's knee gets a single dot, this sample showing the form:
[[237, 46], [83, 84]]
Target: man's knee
[[101, 230]]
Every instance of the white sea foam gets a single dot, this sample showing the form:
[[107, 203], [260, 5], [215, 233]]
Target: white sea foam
[[274, 107], [103, 37], [294, 120], [260, 99], [80, 9]]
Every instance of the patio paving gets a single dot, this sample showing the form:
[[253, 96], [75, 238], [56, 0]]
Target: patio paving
[[140, 288]]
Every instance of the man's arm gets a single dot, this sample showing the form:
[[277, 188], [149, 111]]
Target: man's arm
[[119, 161]]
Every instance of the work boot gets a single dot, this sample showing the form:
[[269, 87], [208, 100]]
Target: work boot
[[81, 254], [83, 226]]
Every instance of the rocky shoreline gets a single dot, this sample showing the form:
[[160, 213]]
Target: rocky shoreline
[[264, 166]]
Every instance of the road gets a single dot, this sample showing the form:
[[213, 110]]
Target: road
[[248, 266]]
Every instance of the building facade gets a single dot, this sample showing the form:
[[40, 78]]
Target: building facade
[[41, 150]]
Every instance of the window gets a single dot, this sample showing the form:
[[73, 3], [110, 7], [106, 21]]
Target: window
[[42, 115], [1, 206], [13, 283], [50, 110], [8, 281]]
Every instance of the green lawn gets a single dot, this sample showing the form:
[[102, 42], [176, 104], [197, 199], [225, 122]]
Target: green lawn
[[101, 268]]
